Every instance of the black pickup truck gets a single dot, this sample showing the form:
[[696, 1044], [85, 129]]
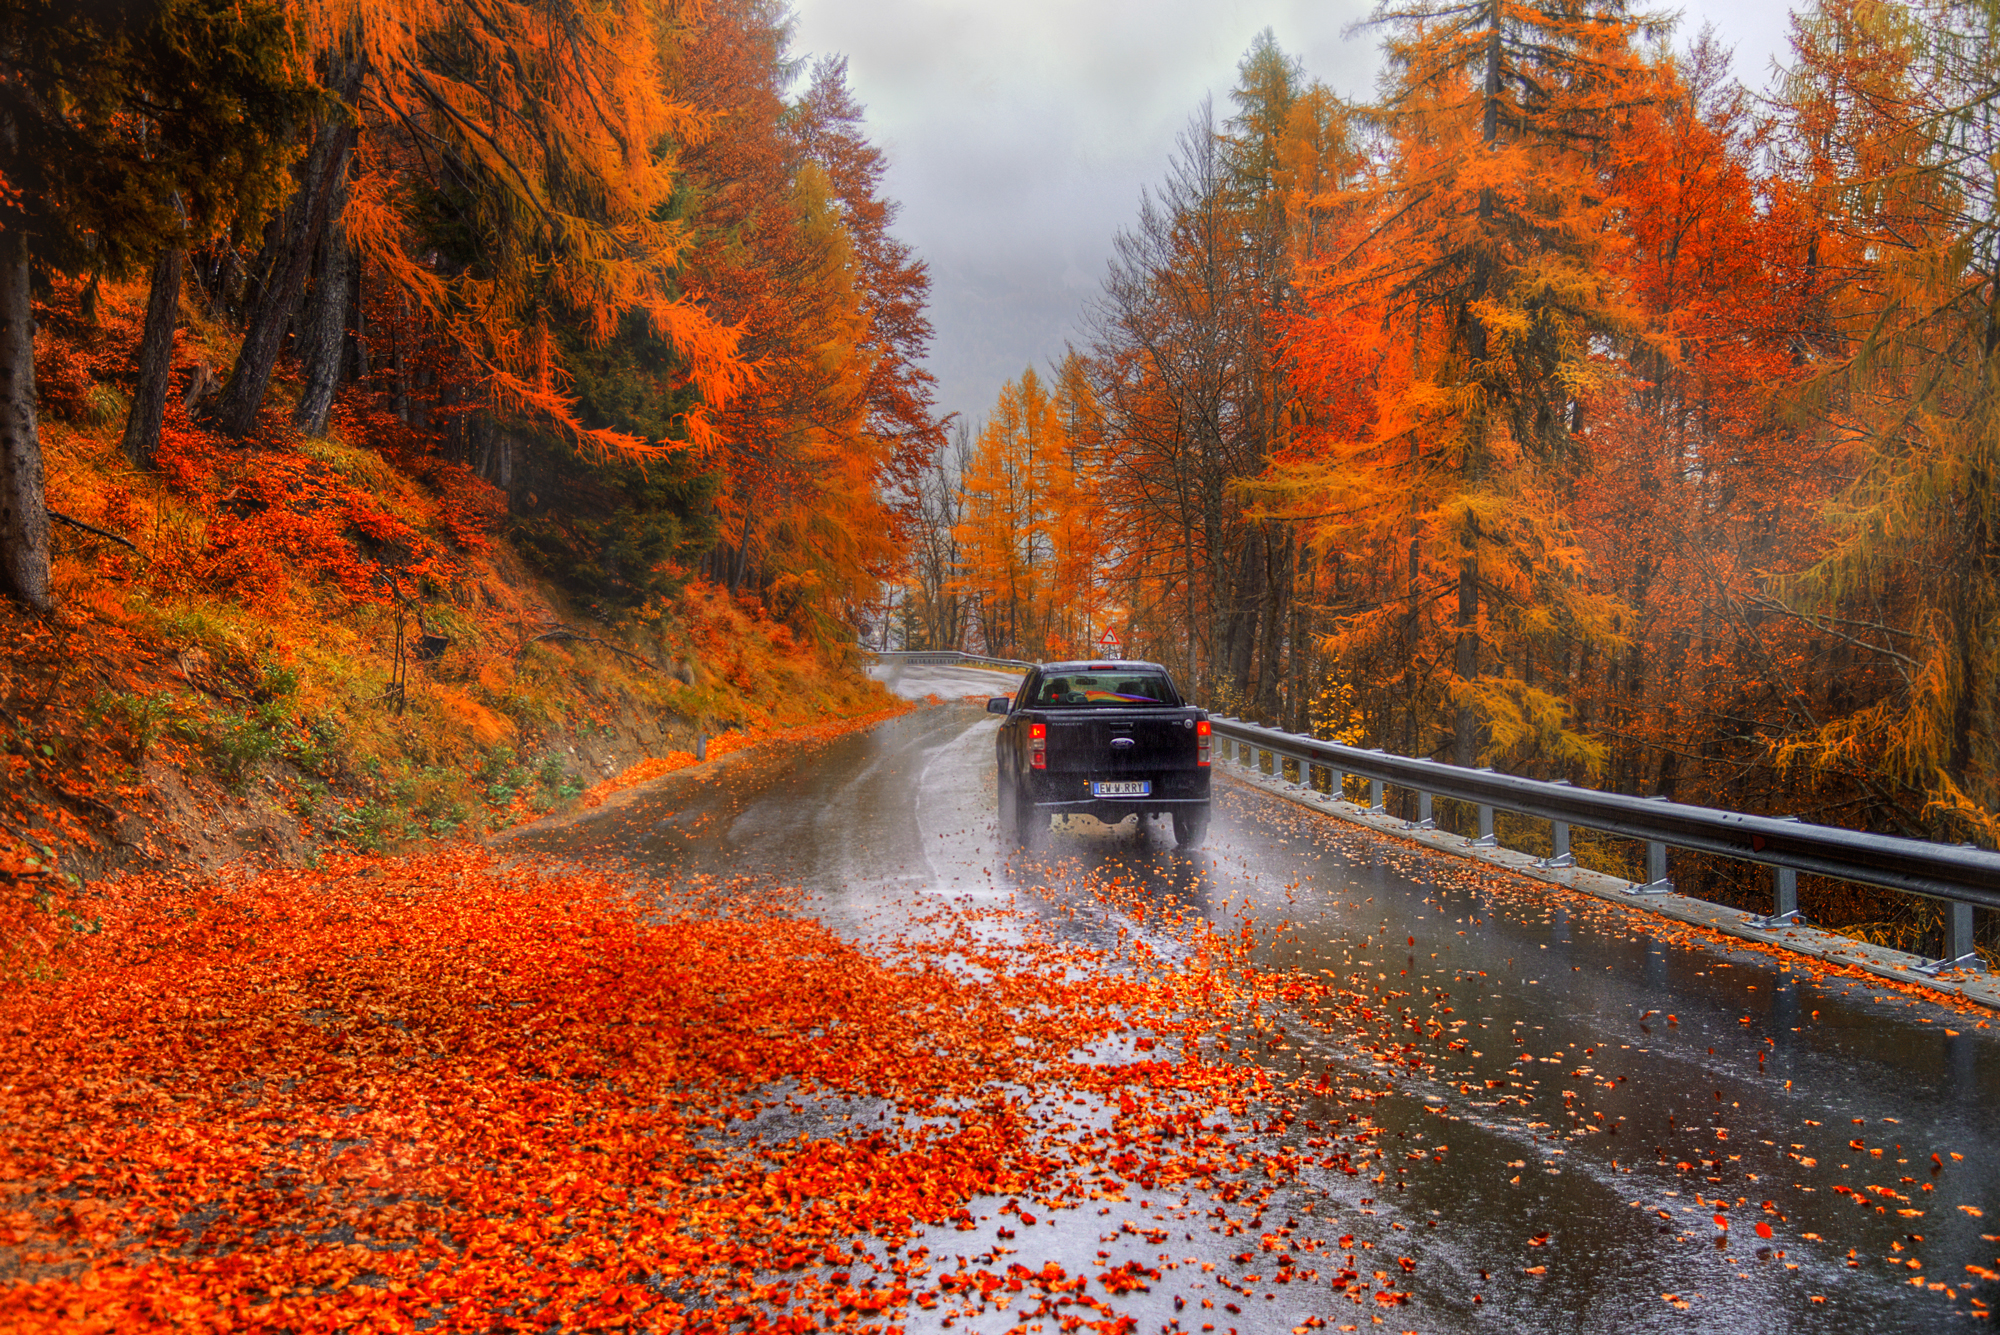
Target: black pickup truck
[[1103, 739]]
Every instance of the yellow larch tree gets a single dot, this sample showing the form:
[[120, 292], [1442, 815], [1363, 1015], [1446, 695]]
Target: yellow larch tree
[[1031, 538]]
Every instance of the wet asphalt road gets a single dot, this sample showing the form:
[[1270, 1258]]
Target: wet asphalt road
[[1554, 1095]]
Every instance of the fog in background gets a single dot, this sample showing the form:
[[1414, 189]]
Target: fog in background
[[1020, 134]]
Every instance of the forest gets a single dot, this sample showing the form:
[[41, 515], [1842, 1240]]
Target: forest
[[397, 399], [1565, 409]]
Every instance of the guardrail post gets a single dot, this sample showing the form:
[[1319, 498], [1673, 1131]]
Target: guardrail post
[[1336, 785], [1958, 939], [1486, 839], [1784, 897], [1656, 882], [1375, 806], [1656, 867], [1424, 820], [701, 746], [1959, 950], [1559, 855]]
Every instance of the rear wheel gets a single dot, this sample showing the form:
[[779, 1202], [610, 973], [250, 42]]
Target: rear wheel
[[1007, 814], [1190, 826], [1030, 825]]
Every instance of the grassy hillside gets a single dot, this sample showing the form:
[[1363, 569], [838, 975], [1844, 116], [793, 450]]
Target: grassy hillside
[[280, 645]]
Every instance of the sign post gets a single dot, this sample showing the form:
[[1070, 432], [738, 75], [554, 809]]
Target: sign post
[[1110, 646]]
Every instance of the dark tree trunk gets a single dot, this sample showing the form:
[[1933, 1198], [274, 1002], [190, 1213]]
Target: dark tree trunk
[[1412, 581], [1278, 561], [250, 280], [271, 314], [323, 331], [1465, 663], [357, 332], [394, 367], [156, 360], [24, 511], [1239, 627], [229, 284], [1465, 655]]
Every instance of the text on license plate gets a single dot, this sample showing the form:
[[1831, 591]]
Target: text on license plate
[[1122, 788]]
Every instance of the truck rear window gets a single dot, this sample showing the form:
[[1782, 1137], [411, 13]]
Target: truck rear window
[[1084, 690]]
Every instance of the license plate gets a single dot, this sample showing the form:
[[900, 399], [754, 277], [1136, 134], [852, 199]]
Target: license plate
[[1122, 788]]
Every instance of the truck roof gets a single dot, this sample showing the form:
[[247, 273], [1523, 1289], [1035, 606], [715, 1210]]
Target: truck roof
[[1101, 665]]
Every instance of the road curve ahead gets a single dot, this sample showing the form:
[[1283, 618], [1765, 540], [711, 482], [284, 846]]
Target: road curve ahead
[[1579, 1118]]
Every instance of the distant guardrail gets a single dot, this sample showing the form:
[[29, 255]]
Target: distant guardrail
[[946, 658], [1963, 876]]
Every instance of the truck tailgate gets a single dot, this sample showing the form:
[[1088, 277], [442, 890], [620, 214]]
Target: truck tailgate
[[1105, 747]]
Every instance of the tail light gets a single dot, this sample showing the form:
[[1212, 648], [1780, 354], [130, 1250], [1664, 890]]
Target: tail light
[[1202, 741], [1038, 746]]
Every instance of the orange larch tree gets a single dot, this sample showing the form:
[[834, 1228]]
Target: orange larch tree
[[1697, 487], [1485, 251], [893, 283], [791, 245]]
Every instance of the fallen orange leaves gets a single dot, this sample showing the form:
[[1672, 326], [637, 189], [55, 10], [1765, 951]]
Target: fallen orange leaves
[[505, 1096]]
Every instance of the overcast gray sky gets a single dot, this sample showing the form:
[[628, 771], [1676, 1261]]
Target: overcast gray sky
[[1020, 134]]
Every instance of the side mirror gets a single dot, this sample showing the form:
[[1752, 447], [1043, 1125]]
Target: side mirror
[[1000, 704]]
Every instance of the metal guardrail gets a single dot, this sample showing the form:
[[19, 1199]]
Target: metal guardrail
[[1964, 876], [945, 658]]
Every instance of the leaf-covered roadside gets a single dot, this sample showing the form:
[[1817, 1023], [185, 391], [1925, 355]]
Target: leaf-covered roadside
[[501, 1096]]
